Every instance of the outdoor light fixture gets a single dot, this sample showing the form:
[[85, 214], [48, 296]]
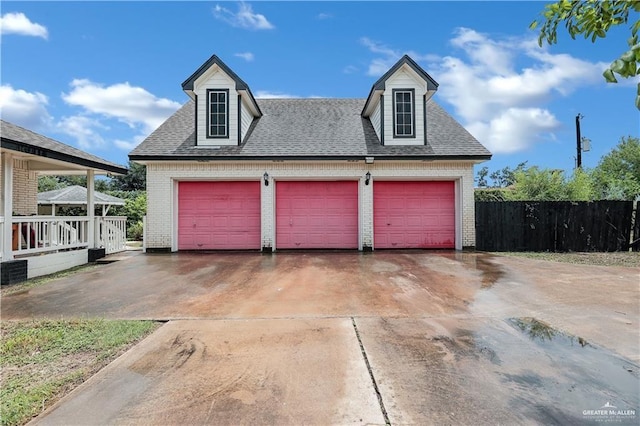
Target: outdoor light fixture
[[367, 178], [265, 176]]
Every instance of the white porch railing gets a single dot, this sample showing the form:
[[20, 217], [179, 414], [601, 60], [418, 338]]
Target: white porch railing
[[111, 233], [45, 234], [39, 234]]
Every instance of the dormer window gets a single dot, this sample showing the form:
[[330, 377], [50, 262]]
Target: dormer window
[[404, 115], [217, 113]]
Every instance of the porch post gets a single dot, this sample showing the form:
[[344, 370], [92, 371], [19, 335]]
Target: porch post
[[7, 206], [91, 208]]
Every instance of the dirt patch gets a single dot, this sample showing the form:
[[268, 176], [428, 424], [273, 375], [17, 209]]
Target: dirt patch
[[628, 258]]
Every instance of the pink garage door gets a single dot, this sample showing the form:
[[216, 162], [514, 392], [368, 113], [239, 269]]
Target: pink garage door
[[317, 215], [414, 214], [218, 215]]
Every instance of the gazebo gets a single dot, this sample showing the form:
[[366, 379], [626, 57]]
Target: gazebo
[[74, 196]]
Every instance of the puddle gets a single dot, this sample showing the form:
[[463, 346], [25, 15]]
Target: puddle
[[491, 273], [575, 375], [500, 371], [541, 331]]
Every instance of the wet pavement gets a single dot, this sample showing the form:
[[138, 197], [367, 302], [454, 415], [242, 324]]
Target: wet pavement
[[336, 338], [232, 372]]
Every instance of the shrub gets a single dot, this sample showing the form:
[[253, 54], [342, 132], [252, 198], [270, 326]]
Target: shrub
[[135, 231]]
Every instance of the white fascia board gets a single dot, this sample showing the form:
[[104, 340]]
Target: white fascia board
[[252, 106], [375, 98]]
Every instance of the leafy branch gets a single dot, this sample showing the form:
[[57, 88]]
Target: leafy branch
[[593, 19]]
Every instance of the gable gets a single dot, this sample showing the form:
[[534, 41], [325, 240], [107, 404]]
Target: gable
[[225, 107], [396, 104], [397, 120]]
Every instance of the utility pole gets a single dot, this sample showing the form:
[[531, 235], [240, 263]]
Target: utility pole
[[578, 140]]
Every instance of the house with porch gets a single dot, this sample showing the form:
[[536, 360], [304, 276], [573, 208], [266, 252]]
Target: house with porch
[[32, 245], [389, 171]]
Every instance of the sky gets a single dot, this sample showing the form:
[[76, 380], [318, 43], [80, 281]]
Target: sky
[[101, 76]]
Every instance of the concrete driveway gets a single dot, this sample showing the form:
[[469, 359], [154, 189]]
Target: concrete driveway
[[349, 338]]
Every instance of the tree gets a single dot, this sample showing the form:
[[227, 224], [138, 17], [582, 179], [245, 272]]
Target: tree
[[500, 181], [49, 183], [593, 19], [499, 178], [617, 175], [134, 180], [481, 177], [135, 207], [535, 184]]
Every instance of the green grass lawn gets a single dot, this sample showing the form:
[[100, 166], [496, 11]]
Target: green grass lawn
[[42, 360]]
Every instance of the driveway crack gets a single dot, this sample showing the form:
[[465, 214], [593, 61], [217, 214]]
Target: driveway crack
[[373, 378]]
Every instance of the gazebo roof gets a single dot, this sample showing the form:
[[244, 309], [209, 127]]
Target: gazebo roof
[[76, 195]]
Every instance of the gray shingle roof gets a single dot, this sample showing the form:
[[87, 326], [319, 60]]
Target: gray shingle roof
[[76, 194], [309, 128], [14, 137]]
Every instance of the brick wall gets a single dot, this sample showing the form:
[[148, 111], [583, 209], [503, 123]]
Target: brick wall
[[162, 194], [25, 189]]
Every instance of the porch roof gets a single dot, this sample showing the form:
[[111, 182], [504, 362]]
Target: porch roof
[[48, 156]]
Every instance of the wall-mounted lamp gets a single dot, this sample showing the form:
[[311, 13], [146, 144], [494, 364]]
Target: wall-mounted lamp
[[368, 160], [265, 176], [367, 178]]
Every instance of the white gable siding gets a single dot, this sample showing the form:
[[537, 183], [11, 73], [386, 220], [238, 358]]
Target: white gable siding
[[404, 80], [247, 119], [216, 79], [375, 119]]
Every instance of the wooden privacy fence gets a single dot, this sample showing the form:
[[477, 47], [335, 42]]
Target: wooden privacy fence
[[557, 226]]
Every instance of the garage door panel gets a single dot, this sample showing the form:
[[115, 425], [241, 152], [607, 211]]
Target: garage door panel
[[317, 214], [414, 214], [218, 215]]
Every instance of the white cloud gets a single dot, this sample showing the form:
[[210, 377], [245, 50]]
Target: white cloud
[[265, 94], [24, 108], [18, 23], [132, 105], [501, 102], [349, 69], [142, 111], [322, 16], [388, 56], [129, 145], [86, 130], [247, 56], [244, 18], [513, 129]]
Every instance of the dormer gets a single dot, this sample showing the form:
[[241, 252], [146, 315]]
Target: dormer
[[397, 104], [224, 105]]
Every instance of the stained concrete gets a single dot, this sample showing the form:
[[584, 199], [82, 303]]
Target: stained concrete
[[485, 371], [404, 337], [231, 372]]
